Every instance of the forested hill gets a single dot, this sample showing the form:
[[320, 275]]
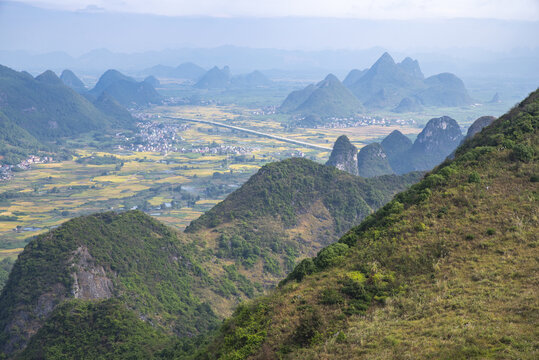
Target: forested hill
[[286, 189], [448, 269]]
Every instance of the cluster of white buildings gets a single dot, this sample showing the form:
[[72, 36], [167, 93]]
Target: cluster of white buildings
[[334, 122], [6, 171], [154, 137], [220, 150]]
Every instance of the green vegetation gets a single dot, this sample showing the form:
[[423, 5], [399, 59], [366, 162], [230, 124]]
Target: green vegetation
[[104, 327], [125, 90], [5, 267], [290, 187], [431, 267], [373, 161], [151, 272], [164, 276]]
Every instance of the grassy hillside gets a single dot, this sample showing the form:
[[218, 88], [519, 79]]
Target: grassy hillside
[[448, 269]]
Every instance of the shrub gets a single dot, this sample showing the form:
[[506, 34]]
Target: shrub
[[304, 268], [420, 227], [433, 180], [330, 297], [307, 329], [330, 255], [491, 231], [523, 153], [474, 178]]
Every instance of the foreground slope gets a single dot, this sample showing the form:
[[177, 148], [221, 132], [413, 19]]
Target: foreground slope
[[448, 269]]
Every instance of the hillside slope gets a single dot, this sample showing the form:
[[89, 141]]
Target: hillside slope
[[448, 269]]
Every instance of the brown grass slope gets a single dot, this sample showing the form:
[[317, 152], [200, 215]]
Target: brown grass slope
[[447, 270]]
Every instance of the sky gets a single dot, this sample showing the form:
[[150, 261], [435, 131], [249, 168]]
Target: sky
[[359, 9], [340, 33]]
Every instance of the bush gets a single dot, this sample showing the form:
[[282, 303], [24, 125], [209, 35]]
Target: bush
[[420, 227], [474, 178], [307, 329], [523, 153], [330, 255], [330, 297], [304, 268]]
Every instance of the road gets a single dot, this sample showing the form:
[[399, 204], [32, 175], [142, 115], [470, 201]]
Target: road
[[254, 132]]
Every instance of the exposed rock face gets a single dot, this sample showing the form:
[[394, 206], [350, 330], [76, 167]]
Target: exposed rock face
[[478, 125], [373, 161], [436, 142], [25, 324], [90, 281], [440, 135], [344, 156]]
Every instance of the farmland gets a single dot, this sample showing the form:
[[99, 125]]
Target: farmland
[[176, 185]]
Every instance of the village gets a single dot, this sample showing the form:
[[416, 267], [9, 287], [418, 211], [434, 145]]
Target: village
[[6, 171]]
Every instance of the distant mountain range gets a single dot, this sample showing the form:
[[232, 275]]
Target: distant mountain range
[[216, 78], [400, 87], [36, 111], [396, 154], [187, 71]]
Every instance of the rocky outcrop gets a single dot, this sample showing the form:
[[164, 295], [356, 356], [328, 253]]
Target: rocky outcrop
[[344, 156], [438, 140], [90, 280], [478, 125]]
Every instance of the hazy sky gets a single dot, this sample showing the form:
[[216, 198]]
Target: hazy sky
[[363, 9], [455, 26]]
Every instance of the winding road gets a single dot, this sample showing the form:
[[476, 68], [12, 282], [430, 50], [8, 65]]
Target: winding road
[[254, 132]]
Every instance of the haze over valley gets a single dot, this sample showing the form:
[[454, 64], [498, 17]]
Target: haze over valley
[[216, 180]]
